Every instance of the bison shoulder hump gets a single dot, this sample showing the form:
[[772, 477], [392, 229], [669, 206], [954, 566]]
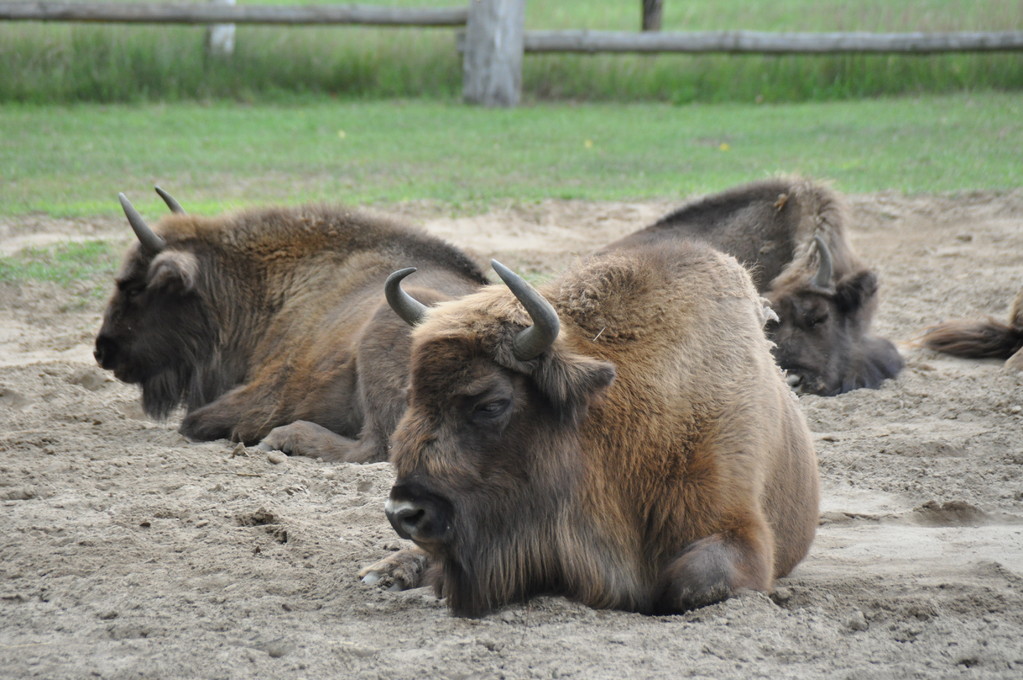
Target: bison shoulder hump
[[619, 294]]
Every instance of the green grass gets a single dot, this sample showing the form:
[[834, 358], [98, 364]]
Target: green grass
[[47, 63], [87, 266], [72, 161]]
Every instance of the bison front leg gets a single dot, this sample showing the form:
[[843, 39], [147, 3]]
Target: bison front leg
[[714, 568], [221, 419], [400, 571], [303, 438], [243, 414], [206, 424]]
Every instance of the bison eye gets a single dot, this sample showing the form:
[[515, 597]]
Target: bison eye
[[490, 410], [817, 319], [131, 289]]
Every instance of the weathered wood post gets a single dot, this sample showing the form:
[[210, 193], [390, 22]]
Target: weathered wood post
[[220, 37], [492, 60], [652, 11]]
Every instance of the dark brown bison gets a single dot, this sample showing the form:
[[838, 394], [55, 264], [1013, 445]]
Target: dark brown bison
[[990, 339], [790, 233], [623, 438], [269, 324]]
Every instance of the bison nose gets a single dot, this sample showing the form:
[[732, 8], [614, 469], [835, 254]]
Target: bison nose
[[421, 520], [105, 352], [405, 516]]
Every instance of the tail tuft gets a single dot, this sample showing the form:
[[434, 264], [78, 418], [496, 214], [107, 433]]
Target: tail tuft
[[974, 339]]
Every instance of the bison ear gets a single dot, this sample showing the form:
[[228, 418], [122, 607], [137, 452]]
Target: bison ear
[[573, 382], [854, 292], [174, 271]]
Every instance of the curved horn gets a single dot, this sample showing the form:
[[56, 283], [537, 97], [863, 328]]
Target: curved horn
[[174, 206], [404, 305], [826, 268], [537, 339], [151, 243]]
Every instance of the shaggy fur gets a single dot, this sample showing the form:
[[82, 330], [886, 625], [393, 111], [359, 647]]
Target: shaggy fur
[[822, 336], [651, 460], [990, 339], [275, 318]]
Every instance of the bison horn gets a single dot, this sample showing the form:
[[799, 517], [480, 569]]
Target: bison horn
[[825, 270], [535, 340], [404, 305], [174, 206], [151, 243]]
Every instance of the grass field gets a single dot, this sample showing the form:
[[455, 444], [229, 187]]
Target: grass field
[[85, 267], [72, 161], [49, 63]]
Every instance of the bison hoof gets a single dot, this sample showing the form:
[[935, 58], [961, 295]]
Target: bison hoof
[[372, 578], [685, 599], [303, 438], [400, 571], [1015, 362], [712, 569], [384, 581]]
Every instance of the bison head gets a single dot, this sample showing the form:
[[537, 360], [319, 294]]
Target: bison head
[[156, 328], [822, 334], [486, 455]]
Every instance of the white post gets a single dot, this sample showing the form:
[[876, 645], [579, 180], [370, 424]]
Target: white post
[[220, 37], [492, 62]]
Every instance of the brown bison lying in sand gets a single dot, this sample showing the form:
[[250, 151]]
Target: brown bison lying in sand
[[790, 233], [989, 339], [623, 438], [273, 318]]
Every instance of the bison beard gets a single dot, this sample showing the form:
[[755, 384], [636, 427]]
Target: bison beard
[[161, 393], [649, 457], [269, 326], [193, 377], [480, 573]]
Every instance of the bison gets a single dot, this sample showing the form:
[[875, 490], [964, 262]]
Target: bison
[[623, 438], [268, 325], [790, 233], [990, 339]]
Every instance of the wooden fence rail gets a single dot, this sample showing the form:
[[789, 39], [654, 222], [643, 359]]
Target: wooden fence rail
[[495, 38], [144, 13], [737, 42]]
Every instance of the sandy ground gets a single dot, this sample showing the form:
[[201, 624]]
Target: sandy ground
[[126, 552]]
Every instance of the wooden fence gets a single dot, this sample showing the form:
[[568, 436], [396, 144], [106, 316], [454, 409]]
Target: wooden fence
[[495, 38]]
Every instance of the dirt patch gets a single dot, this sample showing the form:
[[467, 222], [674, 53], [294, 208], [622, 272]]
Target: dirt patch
[[127, 552]]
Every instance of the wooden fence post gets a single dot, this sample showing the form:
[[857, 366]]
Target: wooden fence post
[[220, 37], [652, 10], [492, 60]]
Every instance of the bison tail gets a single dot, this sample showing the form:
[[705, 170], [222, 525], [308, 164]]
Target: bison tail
[[989, 339]]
